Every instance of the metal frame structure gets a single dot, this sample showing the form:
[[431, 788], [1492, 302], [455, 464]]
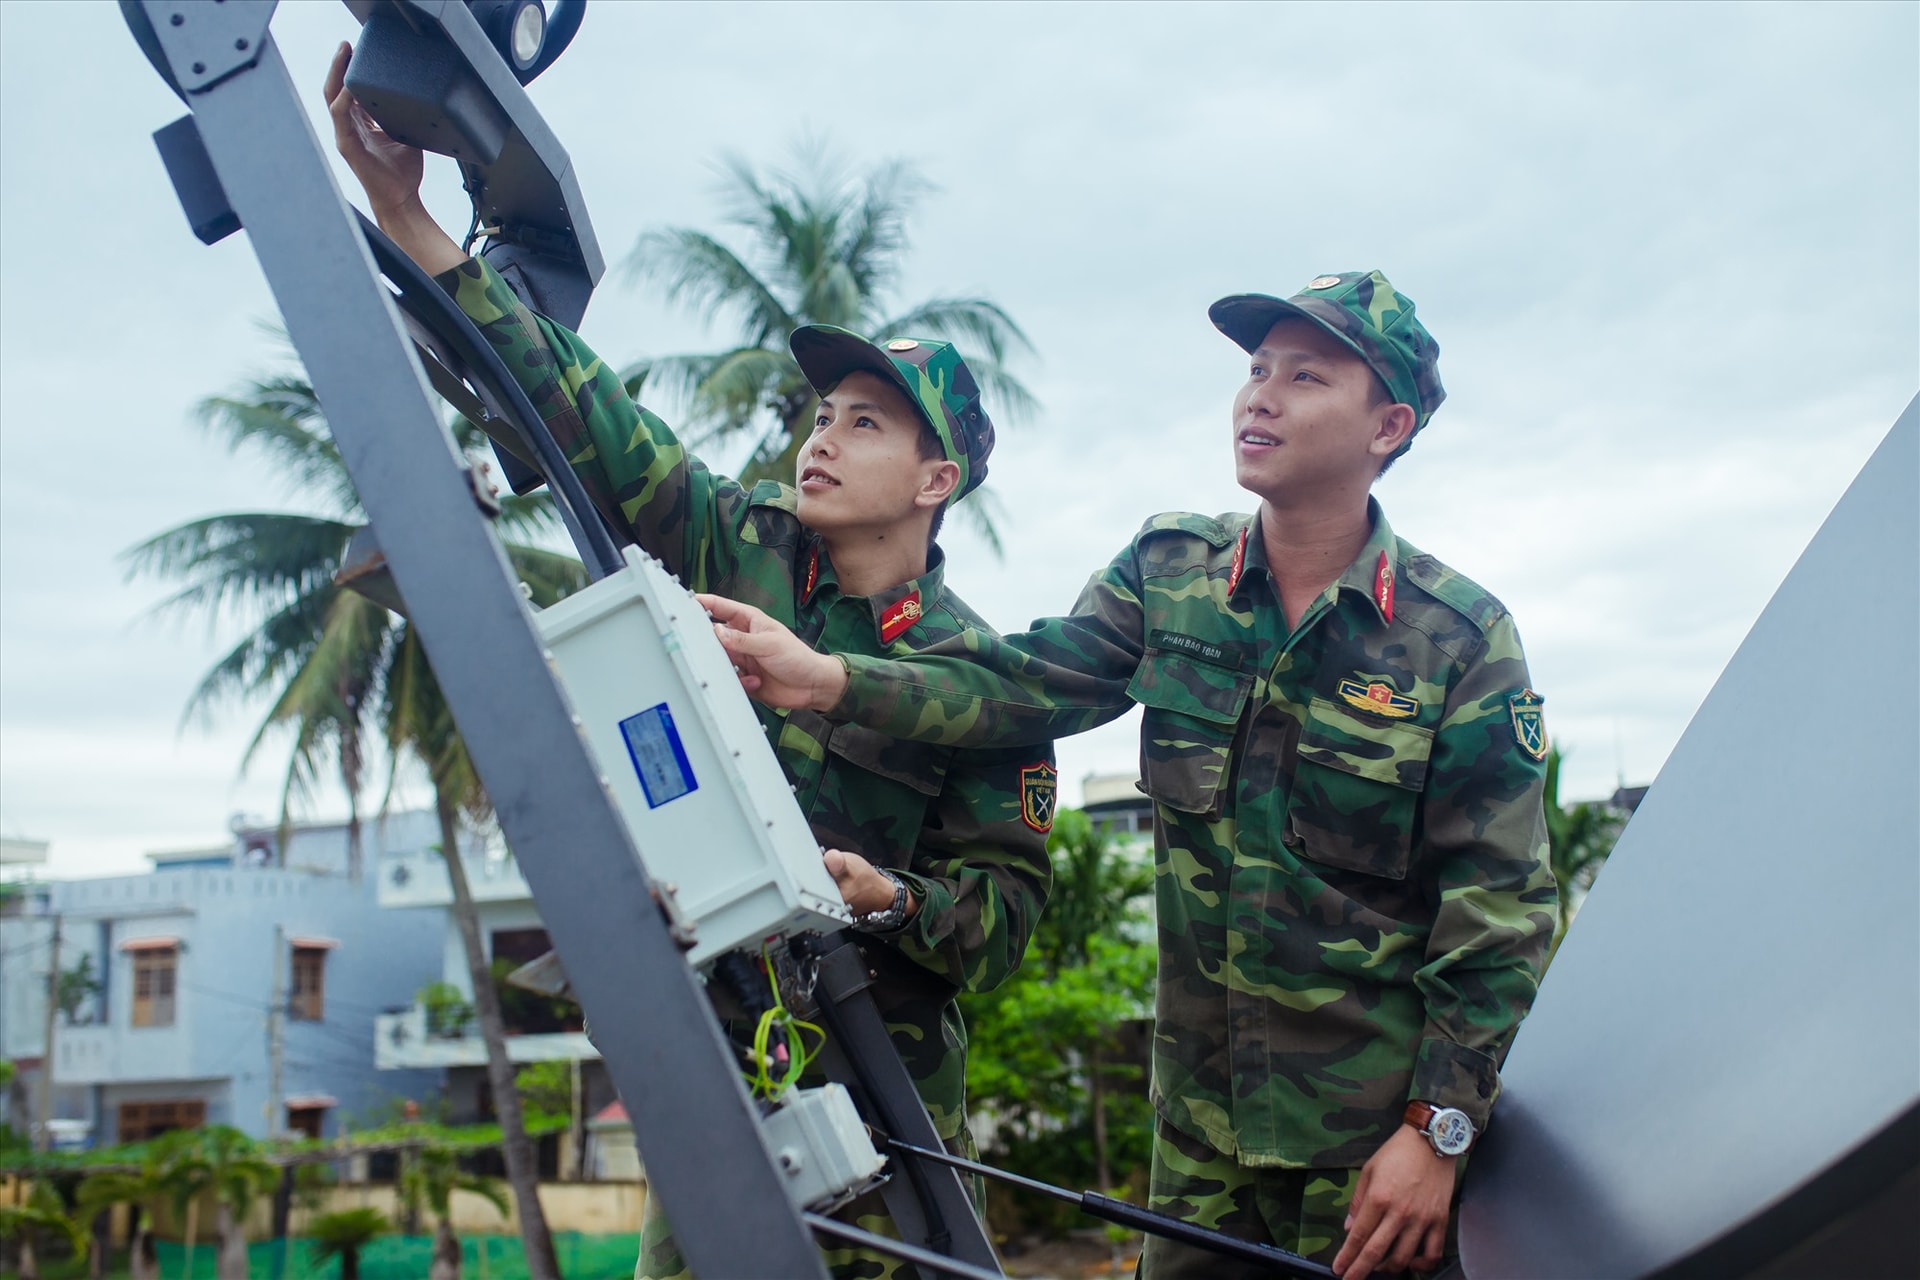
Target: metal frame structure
[[701, 1138]]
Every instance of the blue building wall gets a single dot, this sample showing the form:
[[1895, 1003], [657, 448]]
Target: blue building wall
[[229, 921]]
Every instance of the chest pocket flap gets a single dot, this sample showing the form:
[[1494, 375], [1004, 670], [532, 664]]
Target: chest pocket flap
[[1192, 710], [920, 766], [1357, 788]]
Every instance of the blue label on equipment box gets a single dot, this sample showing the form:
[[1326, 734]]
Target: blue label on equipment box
[[658, 757]]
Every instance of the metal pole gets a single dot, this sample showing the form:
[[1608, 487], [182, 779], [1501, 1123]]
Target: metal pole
[[276, 1031], [692, 1118], [43, 1128]]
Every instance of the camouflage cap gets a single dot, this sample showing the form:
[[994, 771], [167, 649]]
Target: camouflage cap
[[932, 374], [1362, 310]]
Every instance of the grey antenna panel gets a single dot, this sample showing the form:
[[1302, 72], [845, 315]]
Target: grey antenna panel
[[1725, 1056]]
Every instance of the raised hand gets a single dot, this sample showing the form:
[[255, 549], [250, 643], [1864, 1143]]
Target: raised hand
[[775, 665], [390, 172]]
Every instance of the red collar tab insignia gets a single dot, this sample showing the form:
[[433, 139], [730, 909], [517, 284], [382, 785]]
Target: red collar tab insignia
[[898, 618], [1378, 697], [1039, 787], [1239, 561], [813, 573], [1529, 727], [1383, 586]]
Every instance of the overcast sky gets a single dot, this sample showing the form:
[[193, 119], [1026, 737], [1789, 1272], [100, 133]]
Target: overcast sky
[[1670, 254]]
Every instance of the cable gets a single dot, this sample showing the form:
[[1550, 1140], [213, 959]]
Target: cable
[[790, 1044], [427, 303]]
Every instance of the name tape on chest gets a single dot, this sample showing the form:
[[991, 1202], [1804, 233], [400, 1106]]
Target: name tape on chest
[[1208, 651]]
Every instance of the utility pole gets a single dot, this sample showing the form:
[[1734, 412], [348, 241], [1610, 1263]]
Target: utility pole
[[276, 1030], [576, 1139], [43, 1137]]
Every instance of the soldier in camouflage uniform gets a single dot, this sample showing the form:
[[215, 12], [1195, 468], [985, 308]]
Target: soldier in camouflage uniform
[[940, 851], [1353, 893]]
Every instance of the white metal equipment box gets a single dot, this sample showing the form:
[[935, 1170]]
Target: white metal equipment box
[[689, 768]]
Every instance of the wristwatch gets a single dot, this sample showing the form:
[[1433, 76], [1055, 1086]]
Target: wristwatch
[[890, 917], [1447, 1128]]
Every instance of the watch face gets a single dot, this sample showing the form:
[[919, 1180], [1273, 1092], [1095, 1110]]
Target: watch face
[[1450, 1131]]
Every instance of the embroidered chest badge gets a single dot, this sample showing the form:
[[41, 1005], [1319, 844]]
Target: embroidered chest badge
[[1378, 697], [1383, 587], [1529, 727], [898, 618], [1039, 784]]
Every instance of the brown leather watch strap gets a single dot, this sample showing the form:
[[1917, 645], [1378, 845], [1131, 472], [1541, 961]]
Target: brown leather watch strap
[[1419, 1114]]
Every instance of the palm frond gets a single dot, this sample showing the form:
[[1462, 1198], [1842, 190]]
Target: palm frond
[[877, 237], [281, 418], [741, 383], [983, 512], [665, 380], [550, 575], [246, 562], [262, 657], [698, 272]]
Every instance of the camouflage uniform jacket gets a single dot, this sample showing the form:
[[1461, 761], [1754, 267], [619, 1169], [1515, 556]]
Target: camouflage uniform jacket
[[1353, 891], [951, 822]]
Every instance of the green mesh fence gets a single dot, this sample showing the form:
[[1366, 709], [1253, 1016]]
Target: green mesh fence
[[582, 1257]]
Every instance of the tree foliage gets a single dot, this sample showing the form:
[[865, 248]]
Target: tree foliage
[[821, 245], [1050, 1067], [343, 1235]]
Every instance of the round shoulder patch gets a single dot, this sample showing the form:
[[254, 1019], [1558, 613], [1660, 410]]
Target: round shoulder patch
[[902, 344], [1323, 282]]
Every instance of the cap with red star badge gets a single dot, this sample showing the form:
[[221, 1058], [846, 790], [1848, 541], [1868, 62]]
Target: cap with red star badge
[[931, 373]]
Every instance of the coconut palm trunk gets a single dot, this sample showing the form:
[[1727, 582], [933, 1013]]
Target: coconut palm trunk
[[231, 1263], [523, 1174], [446, 1253]]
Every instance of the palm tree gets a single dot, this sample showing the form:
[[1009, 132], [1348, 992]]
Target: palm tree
[[431, 1177], [318, 649], [343, 672], [343, 1235], [40, 1211], [224, 1161], [140, 1190], [824, 246]]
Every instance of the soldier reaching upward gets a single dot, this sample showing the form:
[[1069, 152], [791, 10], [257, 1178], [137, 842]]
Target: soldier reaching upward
[[1346, 759], [940, 851]]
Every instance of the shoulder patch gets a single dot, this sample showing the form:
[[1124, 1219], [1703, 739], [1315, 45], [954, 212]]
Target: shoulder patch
[[1039, 785], [1529, 727]]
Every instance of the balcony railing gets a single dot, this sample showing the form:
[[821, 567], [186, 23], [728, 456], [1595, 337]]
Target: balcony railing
[[408, 1039]]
